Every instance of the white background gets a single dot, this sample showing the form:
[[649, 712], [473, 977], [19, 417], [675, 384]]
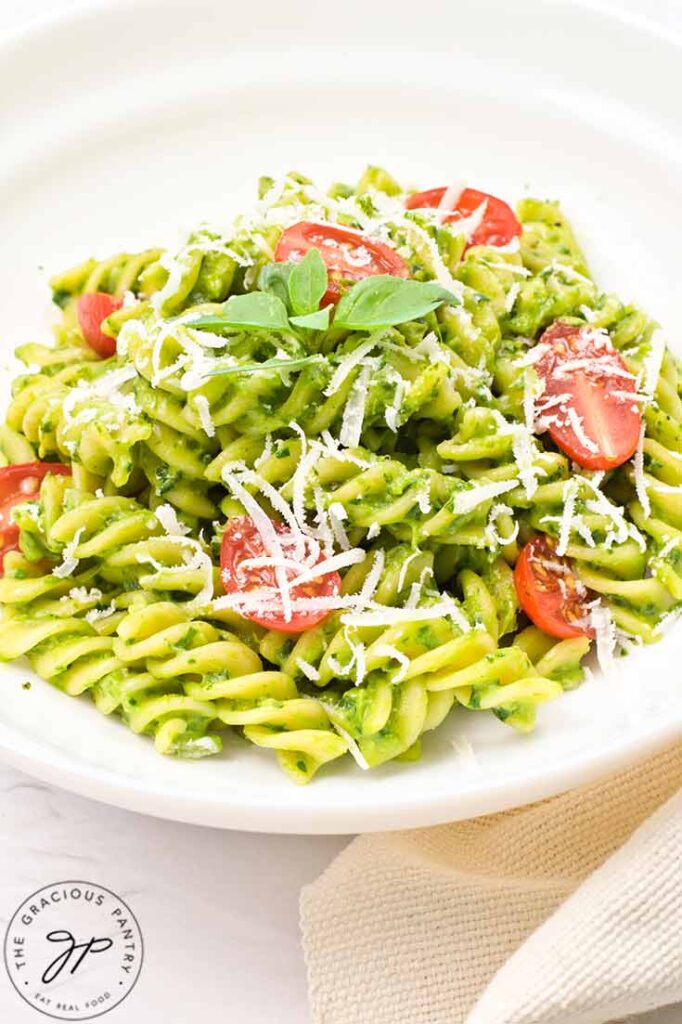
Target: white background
[[218, 910]]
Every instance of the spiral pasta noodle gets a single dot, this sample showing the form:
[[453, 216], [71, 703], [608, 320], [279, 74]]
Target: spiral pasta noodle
[[266, 515]]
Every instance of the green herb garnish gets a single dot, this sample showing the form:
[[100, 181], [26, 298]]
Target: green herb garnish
[[384, 301], [307, 283], [260, 310], [268, 364]]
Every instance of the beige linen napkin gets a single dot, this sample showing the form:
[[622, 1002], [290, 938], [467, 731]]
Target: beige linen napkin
[[565, 912]]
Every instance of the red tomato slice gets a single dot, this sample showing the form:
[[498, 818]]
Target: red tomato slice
[[92, 308], [347, 254], [589, 398], [550, 593], [498, 226], [242, 541], [18, 483]]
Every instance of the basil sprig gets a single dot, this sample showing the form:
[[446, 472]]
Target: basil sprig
[[384, 301], [291, 294], [290, 297]]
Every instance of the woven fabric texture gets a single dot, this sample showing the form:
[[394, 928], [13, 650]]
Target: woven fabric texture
[[568, 911]]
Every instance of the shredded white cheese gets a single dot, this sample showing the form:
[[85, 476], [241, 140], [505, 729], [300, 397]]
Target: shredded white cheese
[[522, 450], [389, 651], [450, 197], [605, 633], [308, 670], [168, 518], [204, 410], [512, 296], [576, 423], [329, 565], [69, 562], [81, 595], [570, 494], [372, 578], [354, 411], [652, 363], [492, 533], [353, 748], [467, 501], [100, 613], [349, 362], [337, 516], [404, 567], [390, 616], [466, 755]]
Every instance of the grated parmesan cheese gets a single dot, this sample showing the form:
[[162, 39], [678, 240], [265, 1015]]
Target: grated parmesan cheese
[[167, 516], [69, 561], [204, 410], [491, 531], [404, 567], [450, 197], [467, 501], [268, 534], [522, 450], [652, 363], [605, 633], [100, 613], [512, 296], [308, 670], [570, 272], [81, 595], [570, 494], [372, 579], [354, 411], [577, 423], [511, 268], [466, 755], [389, 651], [353, 748], [337, 515], [333, 564], [349, 362], [390, 616]]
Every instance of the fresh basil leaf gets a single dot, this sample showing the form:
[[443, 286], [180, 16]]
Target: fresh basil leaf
[[383, 301], [268, 364], [255, 309], [317, 321], [274, 278], [307, 283]]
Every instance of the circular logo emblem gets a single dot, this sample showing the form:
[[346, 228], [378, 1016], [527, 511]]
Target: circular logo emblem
[[73, 950]]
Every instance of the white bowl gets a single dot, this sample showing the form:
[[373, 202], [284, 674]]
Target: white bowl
[[125, 122]]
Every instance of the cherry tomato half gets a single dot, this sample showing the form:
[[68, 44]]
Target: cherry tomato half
[[241, 542], [92, 308], [498, 226], [19, 483], [589, 398], [550, 593], [348, 255]]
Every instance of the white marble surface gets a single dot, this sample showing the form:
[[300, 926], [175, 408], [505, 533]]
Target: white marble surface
[[218, 910]]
